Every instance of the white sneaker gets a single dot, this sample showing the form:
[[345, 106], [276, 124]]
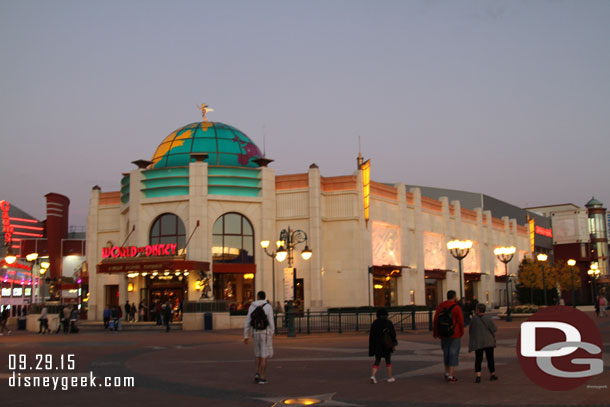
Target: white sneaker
[[373, 380], [391, 380]]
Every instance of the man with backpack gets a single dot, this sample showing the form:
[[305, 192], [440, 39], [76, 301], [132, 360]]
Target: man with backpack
[[260, 322], [449, 326]]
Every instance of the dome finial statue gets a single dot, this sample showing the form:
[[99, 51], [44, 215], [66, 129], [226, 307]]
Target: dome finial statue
[[204, 109]]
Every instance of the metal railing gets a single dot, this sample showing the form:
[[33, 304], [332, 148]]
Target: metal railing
[[353, 321]]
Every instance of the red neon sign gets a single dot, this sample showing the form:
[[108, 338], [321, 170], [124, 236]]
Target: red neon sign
[[544, 232], [133, 251], [5, 207], [15, 265]]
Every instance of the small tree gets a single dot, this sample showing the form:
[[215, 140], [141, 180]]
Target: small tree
[[530, 276], [566, 276]]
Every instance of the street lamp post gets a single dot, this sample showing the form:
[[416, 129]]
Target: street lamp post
[[265, 245], [505, 255], [572, 263], [542, 258], [459, 249], [287, 242], [594, 275]]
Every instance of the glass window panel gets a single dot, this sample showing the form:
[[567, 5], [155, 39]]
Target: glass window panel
[[232, 224], [217, 248], [232, 248], [181, 229], [155, 229], [168, 225], [247, 227], [249, 245], [218, 226]]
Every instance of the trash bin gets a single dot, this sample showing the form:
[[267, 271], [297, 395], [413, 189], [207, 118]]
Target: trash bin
[[21, 324], [207, 321]]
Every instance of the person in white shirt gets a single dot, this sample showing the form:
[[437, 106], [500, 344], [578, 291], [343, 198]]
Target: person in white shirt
[[260, 324]]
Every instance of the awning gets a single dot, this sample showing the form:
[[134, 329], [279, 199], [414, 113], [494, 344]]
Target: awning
[[388, 270], [150, 264], [472, 276], [437, 274]]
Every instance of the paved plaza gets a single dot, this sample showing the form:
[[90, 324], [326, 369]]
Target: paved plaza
[[216, 368]]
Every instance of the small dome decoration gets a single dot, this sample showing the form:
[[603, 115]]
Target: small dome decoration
[[225, 146], [594, 203]]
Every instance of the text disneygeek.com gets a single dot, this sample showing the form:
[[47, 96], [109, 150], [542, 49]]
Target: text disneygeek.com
[[57, 372], [68, 382]]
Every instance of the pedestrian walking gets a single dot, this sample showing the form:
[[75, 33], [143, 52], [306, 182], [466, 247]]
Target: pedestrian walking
[[44, 321], [158, 315], [167, 315], [127, 310], [66, 312], [142, 311], [483, 340], [4, 316], [132, 312], [73, 320], [116, 317], [382, 342], [449, 326], [60, 320], [602, 306], [259, 323], [107, 315]]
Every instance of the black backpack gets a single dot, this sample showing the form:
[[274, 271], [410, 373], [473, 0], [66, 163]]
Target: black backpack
[[258, 318], [388, 342], [445, 327]]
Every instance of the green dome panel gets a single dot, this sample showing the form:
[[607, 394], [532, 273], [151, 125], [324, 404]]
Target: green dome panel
[[225, 146]]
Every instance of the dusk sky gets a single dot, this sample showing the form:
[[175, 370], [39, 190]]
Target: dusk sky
[[506, 98]]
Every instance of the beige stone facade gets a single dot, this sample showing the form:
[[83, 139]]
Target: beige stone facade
[[406, 232]]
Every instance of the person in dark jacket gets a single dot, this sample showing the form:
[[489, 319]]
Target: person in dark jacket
[[382, 335], [483, 339], [167, 315]]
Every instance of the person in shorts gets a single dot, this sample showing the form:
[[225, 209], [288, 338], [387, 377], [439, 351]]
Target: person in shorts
[[263, 336], [382, 342], [450, 344]]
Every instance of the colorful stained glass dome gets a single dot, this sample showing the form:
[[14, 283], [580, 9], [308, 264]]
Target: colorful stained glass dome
[[225, 146]]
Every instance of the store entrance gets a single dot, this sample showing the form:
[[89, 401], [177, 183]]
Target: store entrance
[[384, 291], [431, 293], [160, 293]]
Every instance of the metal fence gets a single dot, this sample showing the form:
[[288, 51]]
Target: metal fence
[[339, 322]]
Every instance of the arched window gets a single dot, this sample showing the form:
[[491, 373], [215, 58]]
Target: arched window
[[168, 228], [233, 239]]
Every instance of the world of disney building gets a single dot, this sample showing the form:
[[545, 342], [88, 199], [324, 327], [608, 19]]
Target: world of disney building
[[186, 226]]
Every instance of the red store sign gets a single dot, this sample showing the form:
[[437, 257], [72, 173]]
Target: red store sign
[[543, 231], [133, 251]]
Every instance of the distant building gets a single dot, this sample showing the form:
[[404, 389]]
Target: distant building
[[580, 234], [18, 282], [65, 280]]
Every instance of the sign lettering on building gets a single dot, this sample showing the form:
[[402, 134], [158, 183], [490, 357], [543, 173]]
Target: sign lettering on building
[[5, 207], [544, 231], [133, 251]]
